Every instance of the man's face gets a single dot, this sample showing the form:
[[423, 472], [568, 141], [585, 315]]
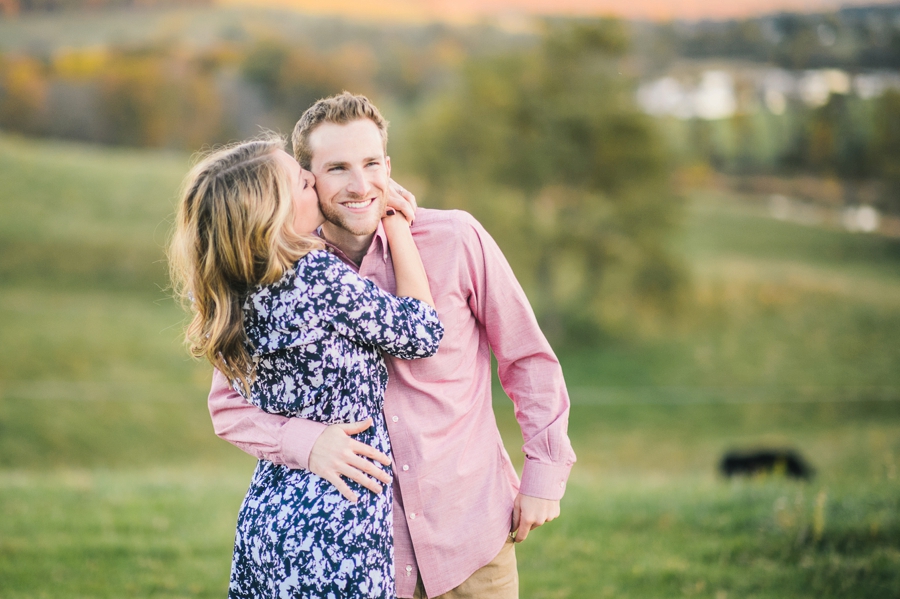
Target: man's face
[[352, 174]]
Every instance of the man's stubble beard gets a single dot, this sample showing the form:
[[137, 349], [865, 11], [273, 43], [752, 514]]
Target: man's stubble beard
[[353, 226]]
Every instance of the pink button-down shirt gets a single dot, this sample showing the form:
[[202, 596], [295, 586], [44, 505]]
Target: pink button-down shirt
[[454, 485]]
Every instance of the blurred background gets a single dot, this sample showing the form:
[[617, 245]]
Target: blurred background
[[701, 199]]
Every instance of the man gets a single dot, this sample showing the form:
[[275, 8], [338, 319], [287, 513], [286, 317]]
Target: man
[[456, 493]]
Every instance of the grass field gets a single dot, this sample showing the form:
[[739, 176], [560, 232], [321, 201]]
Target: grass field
[[112, 483]]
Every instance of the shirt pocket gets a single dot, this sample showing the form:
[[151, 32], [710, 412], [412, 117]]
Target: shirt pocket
[[432, 370], [445, 364]]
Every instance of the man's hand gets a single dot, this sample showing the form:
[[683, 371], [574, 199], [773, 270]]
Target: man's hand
[[402, 201], [531, 512], [335, 454]]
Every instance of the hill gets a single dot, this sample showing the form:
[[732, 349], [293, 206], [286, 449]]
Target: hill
[[112, 483]]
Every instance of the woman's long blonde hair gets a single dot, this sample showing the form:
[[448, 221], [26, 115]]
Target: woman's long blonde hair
[[233, 231]]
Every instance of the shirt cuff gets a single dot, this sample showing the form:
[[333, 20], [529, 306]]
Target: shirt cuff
[[544, 481], [297, 439]]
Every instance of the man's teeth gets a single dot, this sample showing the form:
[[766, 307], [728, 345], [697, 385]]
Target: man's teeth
[[362, 204]]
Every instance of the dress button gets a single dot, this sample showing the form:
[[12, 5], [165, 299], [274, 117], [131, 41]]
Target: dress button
[[405, 467], [395, 418]]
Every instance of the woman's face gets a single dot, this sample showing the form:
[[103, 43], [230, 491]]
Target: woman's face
[[307, 215]]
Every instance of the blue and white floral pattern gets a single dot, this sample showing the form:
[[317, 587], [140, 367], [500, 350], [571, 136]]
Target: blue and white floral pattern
[[317, 337]]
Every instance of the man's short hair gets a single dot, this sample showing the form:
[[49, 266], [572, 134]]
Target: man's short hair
[[340, 109]]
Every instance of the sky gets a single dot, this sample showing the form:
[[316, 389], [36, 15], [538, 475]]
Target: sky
[[462, 10]]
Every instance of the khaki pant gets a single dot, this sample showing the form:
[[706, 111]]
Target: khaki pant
[[497, 580]]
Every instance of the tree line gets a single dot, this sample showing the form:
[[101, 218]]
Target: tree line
[[541, 141], [539, 136], [852, 38], [848, 140]]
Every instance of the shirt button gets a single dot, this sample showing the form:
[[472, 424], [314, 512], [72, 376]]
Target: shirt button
[[562, 484], [412, 516], [408, 570], [405, 467], [395, 418]]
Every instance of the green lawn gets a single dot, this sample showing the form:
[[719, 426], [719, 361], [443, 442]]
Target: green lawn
[[112, 483]]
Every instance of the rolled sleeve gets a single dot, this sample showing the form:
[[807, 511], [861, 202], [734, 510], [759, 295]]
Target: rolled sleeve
[[297, 437], [545, 481], [279, 439]]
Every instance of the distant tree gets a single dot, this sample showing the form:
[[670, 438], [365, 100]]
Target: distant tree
[[262, 66], [833, 143], [292, 78], [23, 93], [887, 149], [547, 149], [852, 37], [150, 99], [731, 39], [832, 140], [138, 99]]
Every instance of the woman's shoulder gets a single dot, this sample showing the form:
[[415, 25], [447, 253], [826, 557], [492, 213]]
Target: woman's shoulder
[[319, 266], [316, 260], [326, 281], [303, 269]]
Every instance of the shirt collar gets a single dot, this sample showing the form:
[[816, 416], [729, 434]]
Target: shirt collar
[[379, 242]]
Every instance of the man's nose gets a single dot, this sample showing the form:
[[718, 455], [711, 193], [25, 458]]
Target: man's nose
[[358, 184]]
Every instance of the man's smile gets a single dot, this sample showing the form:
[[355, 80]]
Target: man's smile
[[358, 204]]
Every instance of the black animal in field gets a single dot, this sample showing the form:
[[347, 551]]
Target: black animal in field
[[765, 461]]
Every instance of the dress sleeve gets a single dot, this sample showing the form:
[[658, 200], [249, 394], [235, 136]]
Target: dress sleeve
[[403, 327]]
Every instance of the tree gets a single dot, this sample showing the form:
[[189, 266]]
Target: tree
[[291, 78], [887, 148], [23, 93], [546, 148]]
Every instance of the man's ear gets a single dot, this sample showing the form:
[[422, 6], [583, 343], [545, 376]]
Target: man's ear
[[387, 163]]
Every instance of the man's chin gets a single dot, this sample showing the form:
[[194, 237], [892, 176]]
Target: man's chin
[[355, 226]]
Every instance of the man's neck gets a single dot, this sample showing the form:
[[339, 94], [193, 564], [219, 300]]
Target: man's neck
[[354, 247]]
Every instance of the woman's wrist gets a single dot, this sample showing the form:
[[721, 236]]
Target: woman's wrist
[[394, 220]]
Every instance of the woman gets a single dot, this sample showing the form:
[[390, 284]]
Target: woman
[[298, 333]]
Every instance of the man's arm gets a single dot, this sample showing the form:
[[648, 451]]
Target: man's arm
[[532, 377], [298, 443]]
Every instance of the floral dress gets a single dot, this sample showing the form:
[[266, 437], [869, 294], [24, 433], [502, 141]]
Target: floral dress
[[317, 337]]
